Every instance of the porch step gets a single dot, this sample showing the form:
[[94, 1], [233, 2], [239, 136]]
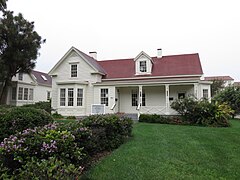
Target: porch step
[[133, 116]]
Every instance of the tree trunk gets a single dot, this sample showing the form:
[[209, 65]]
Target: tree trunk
[[4, 91]]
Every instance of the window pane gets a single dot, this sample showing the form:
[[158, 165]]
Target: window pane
[[74, 70], [25, 93], [30, 94], [62, 97], [14, 93], [79, 97], [48, 95], [70, 97], [134, 98], [104, 96], [143, 66], [20, 76], [143, 99], [205, 93], [20, 93]]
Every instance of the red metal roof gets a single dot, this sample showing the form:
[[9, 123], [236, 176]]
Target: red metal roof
[[224, 78], [187, 64]]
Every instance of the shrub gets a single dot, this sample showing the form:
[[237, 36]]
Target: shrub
[[203, 112], [71, 117], [45, 105], [154, 118], [230, 96], [57, 116], [20, 118], [108, 131], [51, 168], [40, 143]]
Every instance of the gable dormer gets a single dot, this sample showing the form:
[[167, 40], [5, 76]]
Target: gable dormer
[[143, 64]]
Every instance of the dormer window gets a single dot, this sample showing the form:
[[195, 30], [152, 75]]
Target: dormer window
[[143, 66], [73, 70], [20, 76]]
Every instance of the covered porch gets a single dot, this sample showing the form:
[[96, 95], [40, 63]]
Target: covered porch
[[151, 99]]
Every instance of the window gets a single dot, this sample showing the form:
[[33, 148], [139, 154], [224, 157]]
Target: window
[[25, 93], [44, 77], [30, 94], [79, 97], [134, 98], [70, 97], [20, 76], [62, 97], [14, 93], [73, 70], [205, 93], [181, 95], [143, 99], [143, 66], [20, 93], [104, 96], [48, 95]]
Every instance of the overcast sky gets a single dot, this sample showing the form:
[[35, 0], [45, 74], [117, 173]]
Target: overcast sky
[[123, 28]]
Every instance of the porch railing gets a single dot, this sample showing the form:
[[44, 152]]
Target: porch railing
[[162, 110]]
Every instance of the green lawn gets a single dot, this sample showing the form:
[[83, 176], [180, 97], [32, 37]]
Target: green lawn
[[174, 152]]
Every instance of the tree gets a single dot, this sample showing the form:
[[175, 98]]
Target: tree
[[19, 45], [3, 4], [216, 86], [231, 96]]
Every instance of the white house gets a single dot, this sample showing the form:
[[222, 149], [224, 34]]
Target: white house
[[82, 85], [227, 80], [29, 88]]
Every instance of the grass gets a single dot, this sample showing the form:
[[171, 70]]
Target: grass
[[160, 151]]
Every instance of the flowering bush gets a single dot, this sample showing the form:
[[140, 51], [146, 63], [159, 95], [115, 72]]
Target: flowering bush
[[51, 168], [20, 118], [60, 151], [41, 143]]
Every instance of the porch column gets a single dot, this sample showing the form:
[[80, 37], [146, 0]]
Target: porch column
[[140, 94], [167, 97], [196, 94]]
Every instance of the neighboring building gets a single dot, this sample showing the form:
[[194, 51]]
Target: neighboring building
[[83, 86], [29, 88], [228, 81], [236, 84]]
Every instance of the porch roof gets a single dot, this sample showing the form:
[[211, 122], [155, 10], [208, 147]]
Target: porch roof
[[175, 65]]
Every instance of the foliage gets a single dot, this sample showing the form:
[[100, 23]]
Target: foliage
[[51, 168], [57, 147], [71, 117], [40, 143], [109, 131], [46, 105], [19, 46], [230, 96], [216, 86], [3, 4], [57, 116], [202, 112], [154, 118], [20, 118]]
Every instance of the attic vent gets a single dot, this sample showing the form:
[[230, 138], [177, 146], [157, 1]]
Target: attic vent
[[44, 78]]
